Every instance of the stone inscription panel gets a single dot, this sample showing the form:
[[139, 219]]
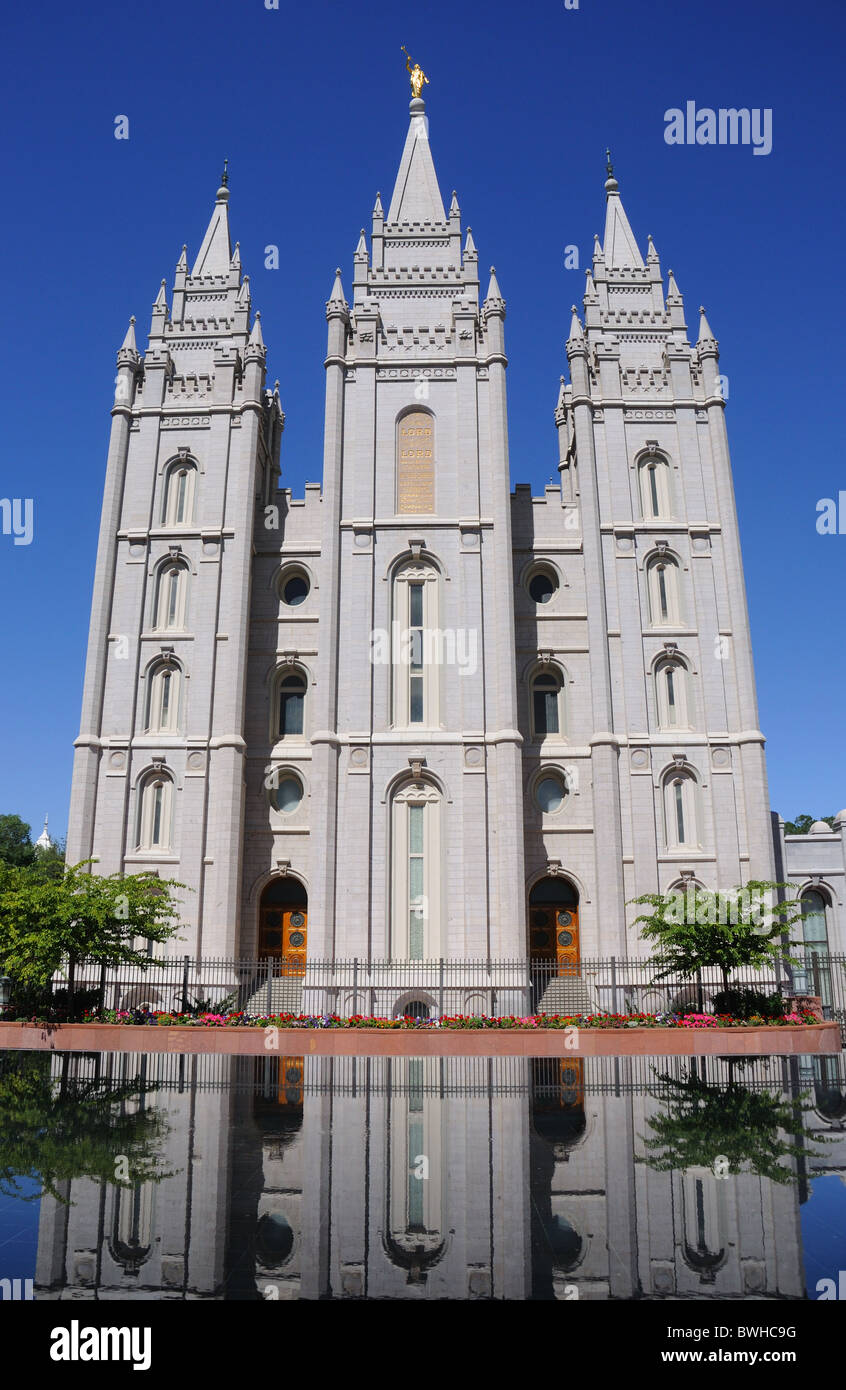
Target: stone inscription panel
[[416, 463]]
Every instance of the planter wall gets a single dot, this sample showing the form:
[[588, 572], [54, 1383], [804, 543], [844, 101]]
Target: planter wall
[[813, 1039]]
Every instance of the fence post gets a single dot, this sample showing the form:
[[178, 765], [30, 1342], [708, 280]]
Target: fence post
[[614, 1008], [699, 995], [102, 986], [441, 989], [185, 960], [270, 985], [355, 984]]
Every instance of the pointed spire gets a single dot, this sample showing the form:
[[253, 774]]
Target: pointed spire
[[494, 291], [454, 209], [378, 210], [129, 344], [598, 254], [244, 291], [43, 841], [651, 254], [469, 244], [256, 339], [672, 288], [361, 249], [590, 288], [235, 263], [337, 302], [416, 196], [182, 263], [576, 332], [160, 301], [215, 255], [705, 333], [620, 248]]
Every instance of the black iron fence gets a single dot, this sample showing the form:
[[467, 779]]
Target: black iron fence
[[437, 988], [544, 1078]]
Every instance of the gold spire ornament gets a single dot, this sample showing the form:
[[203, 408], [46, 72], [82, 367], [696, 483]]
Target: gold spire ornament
[[418, 76]]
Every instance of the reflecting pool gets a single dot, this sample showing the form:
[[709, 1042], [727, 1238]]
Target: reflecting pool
[[128, 1176]]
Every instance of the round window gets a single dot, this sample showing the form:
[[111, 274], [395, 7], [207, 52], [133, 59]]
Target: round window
[[297, 919], [542, 586], [295, 590], [288, 795], [549, 795]]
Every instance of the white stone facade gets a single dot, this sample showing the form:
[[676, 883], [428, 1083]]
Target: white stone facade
[[626, 673]]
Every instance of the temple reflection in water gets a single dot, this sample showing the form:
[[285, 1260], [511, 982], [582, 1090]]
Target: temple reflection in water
[[450, 1178]]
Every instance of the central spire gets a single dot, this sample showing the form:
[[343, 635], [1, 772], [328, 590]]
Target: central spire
[[416, 196]]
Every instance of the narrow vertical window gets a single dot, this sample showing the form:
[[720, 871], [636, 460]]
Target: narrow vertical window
[[156, 837], [672, 710], [292, 690], [416, 879], [181, 490], [178, 506], [546, 690], [155, 808], [663, 606], [415, 665], [678, 793], [416, 655], [653, 489]]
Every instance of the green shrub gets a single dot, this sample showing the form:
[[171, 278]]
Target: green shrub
[[743, 1003]]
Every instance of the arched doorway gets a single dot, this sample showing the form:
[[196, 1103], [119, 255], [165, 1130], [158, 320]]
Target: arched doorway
[[554, 925], [283, 925]]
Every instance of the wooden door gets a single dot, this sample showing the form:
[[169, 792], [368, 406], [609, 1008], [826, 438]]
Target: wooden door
[[567, 952], [283, 933], [554, 935]]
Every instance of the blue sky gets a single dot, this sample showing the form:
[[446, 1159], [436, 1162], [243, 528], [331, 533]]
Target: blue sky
[[310, 105]]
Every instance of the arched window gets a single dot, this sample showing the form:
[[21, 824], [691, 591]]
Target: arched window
[[816, 975], [671, 695], [291, 697], [164, 690], [680, 811], [654, 477], [171, 597], [155, 819], [415, 651], [663, 583], [416, 873], [547, 702], [180, 487]]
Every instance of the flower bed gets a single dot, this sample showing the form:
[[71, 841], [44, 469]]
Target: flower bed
[[456, 1021]]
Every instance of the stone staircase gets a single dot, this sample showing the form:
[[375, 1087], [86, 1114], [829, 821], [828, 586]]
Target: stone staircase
[[286, 996], [566, 995]]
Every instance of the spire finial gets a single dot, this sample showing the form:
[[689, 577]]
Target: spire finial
[[611, 184], [224, 178]]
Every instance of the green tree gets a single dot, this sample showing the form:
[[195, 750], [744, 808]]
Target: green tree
[[703, 1123], [16, 847], [739, 929], [47, 922], [55, 1128], [802, 824]]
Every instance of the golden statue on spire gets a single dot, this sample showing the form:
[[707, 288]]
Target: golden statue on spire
[[418, 76]]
